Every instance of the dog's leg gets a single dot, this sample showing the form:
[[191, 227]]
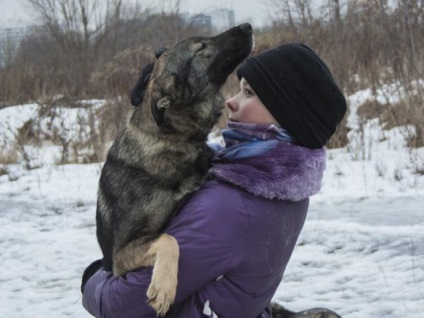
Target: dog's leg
[[132, 256], [162, 254], [162, 289]]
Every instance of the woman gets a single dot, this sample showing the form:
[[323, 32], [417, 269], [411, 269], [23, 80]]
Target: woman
[[237, 233]]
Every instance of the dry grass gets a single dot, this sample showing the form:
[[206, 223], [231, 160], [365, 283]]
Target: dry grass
[[365, 48], [409, 111], [8, 157]]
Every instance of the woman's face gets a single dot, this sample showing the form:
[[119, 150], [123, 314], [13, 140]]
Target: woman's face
[[245, 107]]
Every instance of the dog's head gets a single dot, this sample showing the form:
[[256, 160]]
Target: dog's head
[[186, 78]]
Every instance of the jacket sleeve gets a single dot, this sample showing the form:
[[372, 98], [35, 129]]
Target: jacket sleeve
[[210, 234]]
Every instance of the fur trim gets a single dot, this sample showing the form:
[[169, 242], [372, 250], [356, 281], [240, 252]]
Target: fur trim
[[288, 172]]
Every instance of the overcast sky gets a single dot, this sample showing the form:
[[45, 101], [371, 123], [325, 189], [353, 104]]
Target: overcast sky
[[15, 13], [253, 11]]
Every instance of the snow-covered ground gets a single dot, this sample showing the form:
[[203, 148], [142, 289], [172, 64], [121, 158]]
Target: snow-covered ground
[[361, 252]]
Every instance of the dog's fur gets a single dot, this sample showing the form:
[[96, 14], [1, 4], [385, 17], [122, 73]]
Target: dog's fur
[[280, 312], [162, 156]]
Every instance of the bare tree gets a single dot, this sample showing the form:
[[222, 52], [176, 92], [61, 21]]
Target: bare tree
[[73, 25], [71, 17]]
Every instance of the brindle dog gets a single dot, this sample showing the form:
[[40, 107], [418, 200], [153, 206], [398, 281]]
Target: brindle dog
[[162, 156]]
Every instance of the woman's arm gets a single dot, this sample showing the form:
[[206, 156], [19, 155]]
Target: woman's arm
[[210, 237]]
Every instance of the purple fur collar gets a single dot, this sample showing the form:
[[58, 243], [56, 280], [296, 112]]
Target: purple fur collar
[[287, 172]]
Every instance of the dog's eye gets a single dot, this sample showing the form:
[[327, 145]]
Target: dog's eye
[[200, 47]]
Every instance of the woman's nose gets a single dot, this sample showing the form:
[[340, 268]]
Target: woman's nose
[[231, 104]]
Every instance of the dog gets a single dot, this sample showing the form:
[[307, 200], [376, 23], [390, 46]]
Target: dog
[[281, 312], [161, 157]]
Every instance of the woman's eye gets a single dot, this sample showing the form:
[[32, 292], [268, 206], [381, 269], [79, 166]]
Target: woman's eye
[[247, 91]]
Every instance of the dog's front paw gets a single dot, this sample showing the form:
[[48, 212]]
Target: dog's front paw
[[161, 293]]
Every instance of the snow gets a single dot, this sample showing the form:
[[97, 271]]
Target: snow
[[64, 123], [361, 252]]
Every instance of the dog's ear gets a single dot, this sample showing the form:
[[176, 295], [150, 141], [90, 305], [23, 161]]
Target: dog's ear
[[165, 92], [160, 51], [138, 92], [158, 108]]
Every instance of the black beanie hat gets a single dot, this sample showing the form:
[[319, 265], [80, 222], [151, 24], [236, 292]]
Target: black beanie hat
[[298, 89]]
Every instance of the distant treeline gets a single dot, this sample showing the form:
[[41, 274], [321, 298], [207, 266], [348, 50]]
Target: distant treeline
[[89, 52]]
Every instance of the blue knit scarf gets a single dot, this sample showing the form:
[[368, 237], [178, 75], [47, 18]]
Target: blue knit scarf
[[244, 140]]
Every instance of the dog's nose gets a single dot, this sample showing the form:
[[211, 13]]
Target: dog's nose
[[246, 27]]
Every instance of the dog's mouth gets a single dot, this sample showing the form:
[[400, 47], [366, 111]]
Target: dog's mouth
[[237, 43], [235, 58]]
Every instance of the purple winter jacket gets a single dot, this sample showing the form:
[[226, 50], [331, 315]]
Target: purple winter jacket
[[236, 235]]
